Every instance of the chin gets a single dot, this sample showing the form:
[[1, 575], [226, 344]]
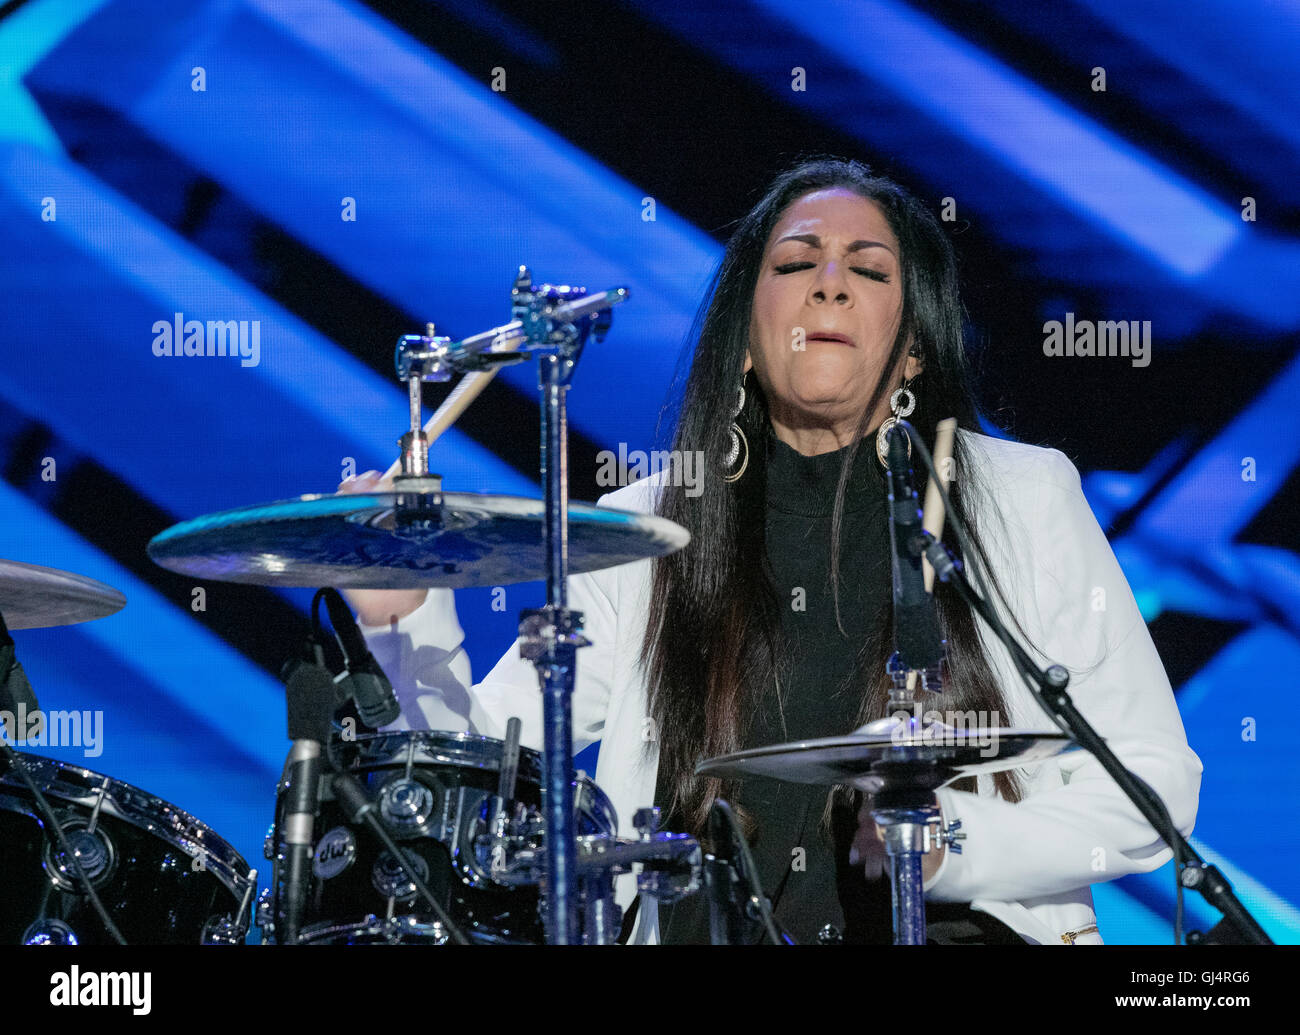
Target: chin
[[830, 386]]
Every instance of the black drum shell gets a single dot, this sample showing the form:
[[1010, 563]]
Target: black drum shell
[[460, 771], [170, 875]]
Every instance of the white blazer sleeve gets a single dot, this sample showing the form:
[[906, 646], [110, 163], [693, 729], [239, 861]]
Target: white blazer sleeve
[[424, 657], [1075, 827], [512, 687]]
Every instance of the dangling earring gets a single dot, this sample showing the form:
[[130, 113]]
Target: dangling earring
[[739, 444], [900, 410]]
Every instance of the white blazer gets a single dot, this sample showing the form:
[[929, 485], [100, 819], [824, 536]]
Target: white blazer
[[1029, 864]]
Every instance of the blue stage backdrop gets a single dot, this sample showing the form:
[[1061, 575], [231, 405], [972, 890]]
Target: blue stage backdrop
[[333, 174]]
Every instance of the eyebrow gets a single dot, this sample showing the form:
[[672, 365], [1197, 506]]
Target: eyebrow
[[856, 246]]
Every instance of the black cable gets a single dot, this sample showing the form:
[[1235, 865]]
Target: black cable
[[751, 871], [13, 670], [354, 796], [53, 829]]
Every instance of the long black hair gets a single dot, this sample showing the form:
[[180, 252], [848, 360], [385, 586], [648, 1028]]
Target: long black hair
[[712, 643]]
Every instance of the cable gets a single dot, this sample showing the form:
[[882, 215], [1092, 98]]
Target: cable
[[352, 797], [751, 871], [11, 670], [53, 829]]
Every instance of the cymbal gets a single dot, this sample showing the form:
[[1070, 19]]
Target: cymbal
[[409, 539], [33, 597], [850, 759]]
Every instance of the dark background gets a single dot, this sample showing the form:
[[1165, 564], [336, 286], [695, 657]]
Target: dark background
[[128, 193]]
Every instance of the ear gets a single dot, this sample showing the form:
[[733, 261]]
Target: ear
[[914, 364], [749, 363]]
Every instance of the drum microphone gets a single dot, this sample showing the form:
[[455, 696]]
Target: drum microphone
[[916, 624], [369, 687], [16, 694], [310, 696], [732, 882]]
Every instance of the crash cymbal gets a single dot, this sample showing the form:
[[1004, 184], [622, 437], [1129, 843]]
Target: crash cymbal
[[403, 540], [849, 759], [33, 597]]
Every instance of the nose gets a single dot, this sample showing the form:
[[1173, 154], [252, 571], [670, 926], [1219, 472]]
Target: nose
[[830, 283]]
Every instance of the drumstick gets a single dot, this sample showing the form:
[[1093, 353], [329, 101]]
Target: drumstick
[[932, 515], [508, 338]]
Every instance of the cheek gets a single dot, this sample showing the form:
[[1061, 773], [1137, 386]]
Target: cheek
[[764, 327], [762, 315], [773, 317]]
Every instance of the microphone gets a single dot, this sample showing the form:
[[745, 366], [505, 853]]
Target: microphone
[[731, 879], [310, 695], [369, 687], [726, 920], [916, 624], [17, 698]]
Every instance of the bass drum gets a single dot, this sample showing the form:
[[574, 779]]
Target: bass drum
[[163, 877], [431, 788]]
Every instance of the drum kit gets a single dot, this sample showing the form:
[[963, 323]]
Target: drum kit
[[422, 836]]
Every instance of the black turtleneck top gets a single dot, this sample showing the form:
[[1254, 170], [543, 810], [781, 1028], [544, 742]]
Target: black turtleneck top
[[801, 852]]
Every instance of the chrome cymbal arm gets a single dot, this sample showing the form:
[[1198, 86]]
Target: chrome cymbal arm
[[556, 311]]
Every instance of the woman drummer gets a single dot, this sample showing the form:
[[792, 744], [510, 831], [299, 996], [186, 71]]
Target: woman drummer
[[835, 306]]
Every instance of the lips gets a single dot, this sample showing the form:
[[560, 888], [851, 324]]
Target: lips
[[828, 336]]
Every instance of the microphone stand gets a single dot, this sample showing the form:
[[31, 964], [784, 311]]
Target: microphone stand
[[1049, 688]]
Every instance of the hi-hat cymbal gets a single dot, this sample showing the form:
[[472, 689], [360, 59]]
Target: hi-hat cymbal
[[849, 759], [403, 540], [33, 597]]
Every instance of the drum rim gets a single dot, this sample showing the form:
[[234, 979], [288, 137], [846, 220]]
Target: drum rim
[[420, 925], [131, 804], [456, 745]]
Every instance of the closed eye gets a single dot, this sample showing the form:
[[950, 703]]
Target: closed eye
[[879, 275], [795, 267]]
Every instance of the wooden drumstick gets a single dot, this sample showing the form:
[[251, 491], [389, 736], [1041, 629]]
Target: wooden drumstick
[[932, 514]]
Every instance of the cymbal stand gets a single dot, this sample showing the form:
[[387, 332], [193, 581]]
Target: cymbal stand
[[554, 322]]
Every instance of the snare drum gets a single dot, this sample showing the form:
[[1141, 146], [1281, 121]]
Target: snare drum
[[162, 876], [431, 788]]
